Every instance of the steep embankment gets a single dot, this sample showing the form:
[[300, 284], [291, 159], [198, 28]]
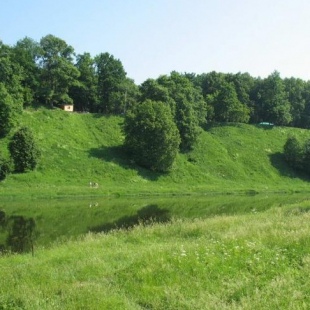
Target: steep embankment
[[82, 148]]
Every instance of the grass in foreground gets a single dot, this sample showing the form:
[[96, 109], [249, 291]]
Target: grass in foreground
[[252, 261]]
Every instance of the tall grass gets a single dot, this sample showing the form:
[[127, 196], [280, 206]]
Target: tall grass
[[251, 261], [82, 148]]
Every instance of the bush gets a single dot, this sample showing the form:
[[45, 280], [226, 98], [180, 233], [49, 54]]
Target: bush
[[294, 152], [5, 167], [24, 151], [9, 111], [152, 137]]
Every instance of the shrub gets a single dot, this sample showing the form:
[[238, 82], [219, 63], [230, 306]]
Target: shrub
[[24, 151], [5, 167], [152, 137], [9, 111], [294, 152]]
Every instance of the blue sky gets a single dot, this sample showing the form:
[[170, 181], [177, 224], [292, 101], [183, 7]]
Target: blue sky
[[154, 37]]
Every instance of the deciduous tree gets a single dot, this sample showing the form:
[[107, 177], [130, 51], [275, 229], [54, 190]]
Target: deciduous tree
[[226, 106], [273, 101], [26, 53], [111, 79], [5, 167], [151, 136], [24, 150], [10, 109], [294, 152], [84, 91], [58, 72]]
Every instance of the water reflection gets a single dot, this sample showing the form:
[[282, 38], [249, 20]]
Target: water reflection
[[18, 233], [45, 221], [145, 216]]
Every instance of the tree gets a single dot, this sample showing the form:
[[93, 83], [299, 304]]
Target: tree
[[152, 90], [11, 73], [24, 151], [26, 53], [5, 167], [243, 84], [111, 79], [273, 101], [211, 82], [187, 105], [226, 106], [2, 219], [306, 156], [151, 136], [58, 73], [10, 110], [125, 97], [295, 89], [84, 91], [294, 152]]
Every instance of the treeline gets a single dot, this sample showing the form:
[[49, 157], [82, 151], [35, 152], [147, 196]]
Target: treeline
[[50, 73]]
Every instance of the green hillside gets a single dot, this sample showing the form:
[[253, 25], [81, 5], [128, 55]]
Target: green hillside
[[81, 148], [209, 252]]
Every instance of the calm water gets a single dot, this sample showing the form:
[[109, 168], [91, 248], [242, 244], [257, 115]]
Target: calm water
[[64, 218]]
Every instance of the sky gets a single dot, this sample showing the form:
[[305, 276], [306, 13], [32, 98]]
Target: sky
[[155, 37]]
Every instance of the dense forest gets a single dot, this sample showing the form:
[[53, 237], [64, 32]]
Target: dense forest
[[172, 108], [50, 73]]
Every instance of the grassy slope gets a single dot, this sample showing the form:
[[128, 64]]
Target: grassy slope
[[79, 148], [252, 261], [258, 260]]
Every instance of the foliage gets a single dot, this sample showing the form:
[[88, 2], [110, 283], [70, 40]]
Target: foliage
[[10, 111], [273, 101], [111, 78], [186, 102], [11, 73], [5, 167], [294, 152], [58, 73], [297, 154], [305, 114], [153, 90], [26, 53], [151, 136], [306, 156], [24, 150], [49, 73], [296, 90], [190, 107], [84, 91], [226, 106]]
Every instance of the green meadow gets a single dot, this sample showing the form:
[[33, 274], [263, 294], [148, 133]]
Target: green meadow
[[258, 260], [227, 228]]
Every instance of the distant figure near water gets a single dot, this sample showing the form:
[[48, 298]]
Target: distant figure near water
[[93, 184]]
